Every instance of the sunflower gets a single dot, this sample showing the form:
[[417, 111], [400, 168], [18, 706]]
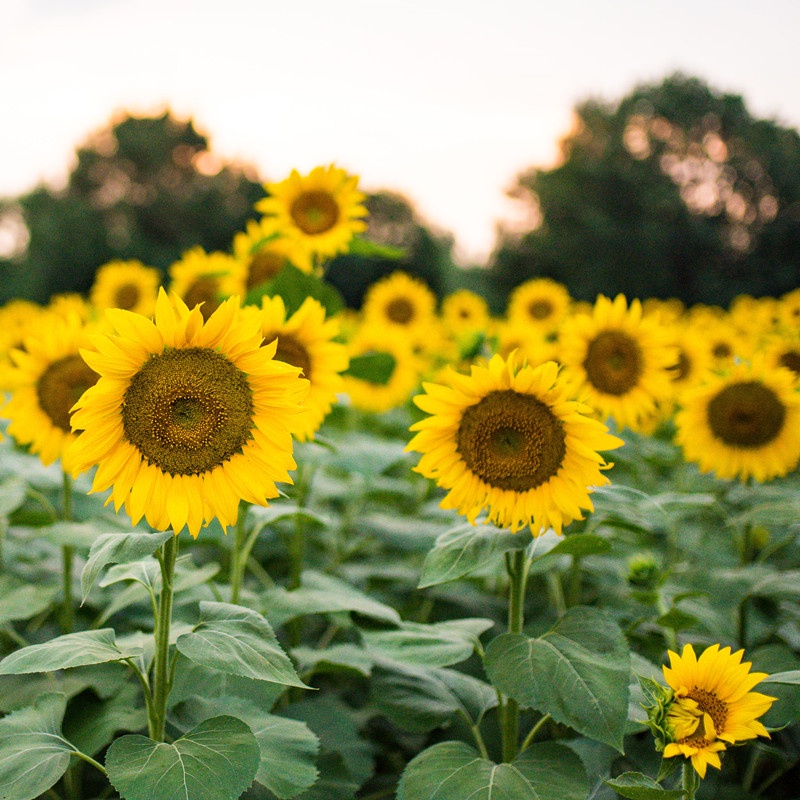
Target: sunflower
[[511, 441], [188, 417], [206, 279], [306, 340], [48, 376], [17, 317], [464, 312], [619, 359], [261, 251], [707, 706], [126, 284], [789, 310], [535, 346], [742, 423], [400, 303], [783, 350], [318, 213], [541, 302]]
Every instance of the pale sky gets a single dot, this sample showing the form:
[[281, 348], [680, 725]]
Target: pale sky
[[444, 101]]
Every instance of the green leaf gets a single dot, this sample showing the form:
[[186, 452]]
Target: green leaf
[[578, 672], [463, 549], [294, 286], [455, 771], [441, 644], [636, 786], [239, 641], [334, 658], [359, 246], [63, 652], [12, 495], [23, 601], [119, 548], [217, 760], [578, 545], [791, 677], [33, 753], [78, 534], [374, 367]]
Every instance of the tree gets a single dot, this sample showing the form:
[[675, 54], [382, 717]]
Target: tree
[[143, 187], [677, 191]]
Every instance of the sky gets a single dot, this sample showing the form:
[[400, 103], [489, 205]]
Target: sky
[[443, 101]]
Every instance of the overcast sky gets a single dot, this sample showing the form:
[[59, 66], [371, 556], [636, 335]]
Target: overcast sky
[[445, 101]]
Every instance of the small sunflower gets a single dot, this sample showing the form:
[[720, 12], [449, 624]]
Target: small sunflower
[[783, 350], [619, 359], [464, 312], [742, 423], [206, 279], [17, 317], [307, 340], [400, 303], [261, 251], [708, 705], [48, 377], [126, 284], [511, 442], [788, 310], [318, 213], [541, 302], [188, 417]]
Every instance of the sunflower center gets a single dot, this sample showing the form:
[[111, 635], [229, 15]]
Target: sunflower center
[[746, 414], [682, 368], [315, 212], [613, 362], [263, 267], [511, 441], [791, 359], [290, 351], [400, 310], [722, 350], [188, 411], [127, 296], [60, 386], [698, 718], [206, 291], [540, 309]]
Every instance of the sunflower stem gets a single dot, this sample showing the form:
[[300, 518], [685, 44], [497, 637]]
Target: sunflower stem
[[517, 566], [691, 782], [238, 556], [67, 559], [157, 716]]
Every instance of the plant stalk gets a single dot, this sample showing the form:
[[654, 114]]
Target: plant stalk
[[691, 781], [67, 560]]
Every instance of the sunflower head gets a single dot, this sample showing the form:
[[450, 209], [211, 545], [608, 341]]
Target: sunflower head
[[206, 279], [541, 303], [262, 252], [126, 284]]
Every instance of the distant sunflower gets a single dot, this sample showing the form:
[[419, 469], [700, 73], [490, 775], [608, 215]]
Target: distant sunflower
[[318, 213], [464, 312], [742, 423], [262, 252], [205, 278], [708, 706], [789, 310], [540, 302], [619, 359], [783, 350], [401, 303], [307, 340], [126, 284], [187, 418], [533, 345], [48, 377], [17, 317], [512, 443]]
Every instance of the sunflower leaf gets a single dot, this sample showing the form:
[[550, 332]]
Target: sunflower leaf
[[374, 367], [217, 760], [636, 786]]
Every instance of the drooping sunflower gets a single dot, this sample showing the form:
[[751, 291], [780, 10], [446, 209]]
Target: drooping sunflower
[[126, 284], [205, 278], [48, 377], [400, 303], [619, 359], [318, 213], [540, 302], [709, 705], [188, 417], [262, 252], [742, 423], [307, 340], [510, 441]]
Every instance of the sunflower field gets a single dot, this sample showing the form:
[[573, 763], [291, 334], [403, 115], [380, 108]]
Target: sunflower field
[[255, 545]]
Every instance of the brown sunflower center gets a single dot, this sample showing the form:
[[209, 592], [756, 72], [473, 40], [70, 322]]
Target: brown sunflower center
[[511, 441], [710, 704], [722, 350], [290, 351], [263, 267], [204, 290], [315, 212], [127, 296], [60, 386], [540, 309], [400, 310], [682, 367], [746, 414], [613, 362], [791, 359], [188, 411]]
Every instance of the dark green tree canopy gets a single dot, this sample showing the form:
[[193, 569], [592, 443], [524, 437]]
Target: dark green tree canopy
[[676, 191], [143, 187]]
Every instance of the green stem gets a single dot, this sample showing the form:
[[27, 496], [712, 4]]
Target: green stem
[[691, 781], [575, 583], [297, 544], [90, 760], [238, 558], [529, 739], [518, 567], [67, 560], [157, 717]]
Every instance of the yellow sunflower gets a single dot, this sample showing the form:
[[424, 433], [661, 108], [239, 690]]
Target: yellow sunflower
[[400, 303], [48, 377], [788, 311], [126, 284], [742, 423], [205, 278], [783, 350], [262, 252], [188, 417], [540, 302], [513, 443], [464, 312], [17, 317], [307, 340], [318, 213], [709, 705], [619, 359], [396, 356]]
